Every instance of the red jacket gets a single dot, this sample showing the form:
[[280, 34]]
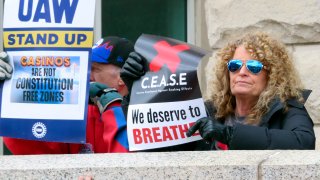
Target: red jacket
[[106, 134]]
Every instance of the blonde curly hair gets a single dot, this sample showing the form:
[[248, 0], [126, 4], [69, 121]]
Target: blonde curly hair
[[283, 80]]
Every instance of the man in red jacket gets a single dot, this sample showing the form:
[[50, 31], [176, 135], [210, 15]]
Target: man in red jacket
[[106, 123]]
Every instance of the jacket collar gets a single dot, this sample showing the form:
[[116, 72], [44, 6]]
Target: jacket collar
[[305, 94], [277, 105]]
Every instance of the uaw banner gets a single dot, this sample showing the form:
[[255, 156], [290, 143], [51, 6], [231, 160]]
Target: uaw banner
[[167, 100], [49, 44]]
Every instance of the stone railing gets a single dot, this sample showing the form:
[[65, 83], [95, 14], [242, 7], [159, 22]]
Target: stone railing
[[274, 164]]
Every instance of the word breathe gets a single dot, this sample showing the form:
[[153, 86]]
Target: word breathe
[[161, 134]]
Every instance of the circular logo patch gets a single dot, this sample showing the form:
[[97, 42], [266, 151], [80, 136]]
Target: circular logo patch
[[39, 130]]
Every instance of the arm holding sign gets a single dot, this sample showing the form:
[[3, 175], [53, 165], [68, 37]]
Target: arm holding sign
[[210, 129], [106, 116], [103, 96], [133, 69]]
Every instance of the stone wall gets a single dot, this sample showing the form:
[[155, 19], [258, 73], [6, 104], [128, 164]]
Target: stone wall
[[249, 165], [294, 22]]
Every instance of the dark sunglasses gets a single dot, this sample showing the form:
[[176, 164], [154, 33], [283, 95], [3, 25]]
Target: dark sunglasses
[[253, 66]]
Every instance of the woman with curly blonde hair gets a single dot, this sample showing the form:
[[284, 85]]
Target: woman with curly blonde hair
[[256, 98]]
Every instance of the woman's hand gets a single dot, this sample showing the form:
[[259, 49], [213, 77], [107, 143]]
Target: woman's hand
[[210, 129]]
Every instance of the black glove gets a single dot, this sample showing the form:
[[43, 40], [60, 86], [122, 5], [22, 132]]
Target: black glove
[[133, 69], [102, 95], [210, 129]]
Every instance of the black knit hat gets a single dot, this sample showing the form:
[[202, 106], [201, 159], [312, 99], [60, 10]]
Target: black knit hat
[[112, 49]]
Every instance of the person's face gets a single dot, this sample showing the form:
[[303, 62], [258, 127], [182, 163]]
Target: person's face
[[243, 83], [107, 74]]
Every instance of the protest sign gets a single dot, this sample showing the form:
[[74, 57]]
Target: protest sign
[[167, 100], [49, 44]]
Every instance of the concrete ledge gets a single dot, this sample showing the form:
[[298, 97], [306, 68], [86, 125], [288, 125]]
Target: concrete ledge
[[169, 165]]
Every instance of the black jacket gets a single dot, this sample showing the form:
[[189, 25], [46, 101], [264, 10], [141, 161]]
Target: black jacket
[[292, 129]]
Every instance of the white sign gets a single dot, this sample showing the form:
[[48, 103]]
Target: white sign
[[48, 43], [163, 124]]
